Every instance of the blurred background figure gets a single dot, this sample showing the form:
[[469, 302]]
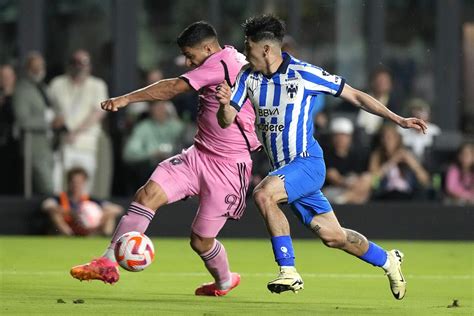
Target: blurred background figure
[[73, 212], [77, 95], [10, 166], [36, 119], [152, 140], [459, 183], [381, 87], [400, 175], [418, 142], [139, 110], [347, 179]]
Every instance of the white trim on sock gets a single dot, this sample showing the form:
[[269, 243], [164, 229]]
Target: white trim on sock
[[386, 265]]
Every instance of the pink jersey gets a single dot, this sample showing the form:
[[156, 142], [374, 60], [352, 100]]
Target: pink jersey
[[235, 141]]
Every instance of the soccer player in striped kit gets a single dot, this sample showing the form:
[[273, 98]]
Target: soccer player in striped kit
[[283, 91], [216, 168]]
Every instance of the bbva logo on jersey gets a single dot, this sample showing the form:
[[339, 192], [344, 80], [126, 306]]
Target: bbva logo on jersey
[[292, 90]]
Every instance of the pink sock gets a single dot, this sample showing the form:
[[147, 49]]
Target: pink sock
[[217, 264], [137, 219]]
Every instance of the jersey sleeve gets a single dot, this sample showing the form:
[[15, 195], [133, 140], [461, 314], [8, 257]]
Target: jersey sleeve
[[210, 73], [239, 91], [318, 80]]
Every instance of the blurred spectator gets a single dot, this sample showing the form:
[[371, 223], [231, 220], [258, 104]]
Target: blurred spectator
[[399, 173], [77, 95], [416, 140], [380, 89], [73, 212], [10, 168], [36, 119], [153, 139], [347, 180], [139, 109], [460, 176], [290, 46]]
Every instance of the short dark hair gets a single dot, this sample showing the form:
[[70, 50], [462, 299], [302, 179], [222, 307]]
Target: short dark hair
[[195, 34], [264, 27], [76, 170]]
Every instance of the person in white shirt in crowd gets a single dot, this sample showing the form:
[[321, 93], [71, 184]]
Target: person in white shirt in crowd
[[76, 95], [419, 142]]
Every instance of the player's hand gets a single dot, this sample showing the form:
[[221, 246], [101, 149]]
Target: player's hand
[[114, 104], [223, 93], [414, 123]]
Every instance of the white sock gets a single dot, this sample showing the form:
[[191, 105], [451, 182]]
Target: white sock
[[288, 268], [109, 253], [386, 265], [225, 285]]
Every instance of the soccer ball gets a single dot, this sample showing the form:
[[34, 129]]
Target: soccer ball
[[89, 215], [134, 251]]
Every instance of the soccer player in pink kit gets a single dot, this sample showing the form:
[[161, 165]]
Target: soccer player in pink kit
[[216, 168]]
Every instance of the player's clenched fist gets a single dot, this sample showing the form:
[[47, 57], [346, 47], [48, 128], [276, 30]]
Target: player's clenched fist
[[223, 93], [114, 104]]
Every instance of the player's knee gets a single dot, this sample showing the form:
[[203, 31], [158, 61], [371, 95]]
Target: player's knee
[[199, 244], [334, 240], [262, 198], [150, 196]]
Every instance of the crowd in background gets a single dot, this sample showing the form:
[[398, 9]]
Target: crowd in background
[[366, 157]]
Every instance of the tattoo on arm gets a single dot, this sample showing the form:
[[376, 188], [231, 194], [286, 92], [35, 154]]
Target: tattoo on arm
[[315, 228], [354, 237]]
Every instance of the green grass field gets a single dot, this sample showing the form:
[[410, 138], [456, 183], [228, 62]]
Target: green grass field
[[34, 274]]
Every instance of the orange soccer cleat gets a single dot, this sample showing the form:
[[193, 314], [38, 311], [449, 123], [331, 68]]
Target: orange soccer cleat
[[210, 289], [102, 269]]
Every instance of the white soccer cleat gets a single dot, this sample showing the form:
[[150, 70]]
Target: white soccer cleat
[[398, 285], [288, 280]]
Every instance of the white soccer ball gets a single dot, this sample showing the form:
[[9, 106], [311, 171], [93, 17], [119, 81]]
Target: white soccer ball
[[134, 251], [89, 215]]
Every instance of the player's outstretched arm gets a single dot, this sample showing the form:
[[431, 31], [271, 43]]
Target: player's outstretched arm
[[162, 90], [226, 113], [369, 104]]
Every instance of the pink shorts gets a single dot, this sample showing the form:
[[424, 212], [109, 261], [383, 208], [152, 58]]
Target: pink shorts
[[220, 183]]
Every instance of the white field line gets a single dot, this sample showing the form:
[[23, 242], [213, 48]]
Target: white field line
[[304, 275]]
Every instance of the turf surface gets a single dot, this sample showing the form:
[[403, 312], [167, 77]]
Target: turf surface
[[34, 275]]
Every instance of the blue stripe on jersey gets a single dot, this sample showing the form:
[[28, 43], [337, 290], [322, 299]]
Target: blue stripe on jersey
[[264, 136], [314, 102], [273, 137], [318, 80], [277, 92], [300, 129], [241, 93], [291, 73], [263, 92], [288, 117]]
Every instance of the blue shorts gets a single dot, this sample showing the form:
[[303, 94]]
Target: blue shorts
[[303, 178]]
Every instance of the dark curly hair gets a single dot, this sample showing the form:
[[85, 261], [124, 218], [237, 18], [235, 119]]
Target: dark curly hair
[[196, 33], [264, 27]]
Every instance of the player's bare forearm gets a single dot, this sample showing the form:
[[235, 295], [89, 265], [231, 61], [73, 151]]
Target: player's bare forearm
[[368, 103], [371, 105], [162, 90], [226, 113]]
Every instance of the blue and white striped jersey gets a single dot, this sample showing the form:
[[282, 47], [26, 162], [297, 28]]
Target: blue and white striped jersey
[[283, 103]]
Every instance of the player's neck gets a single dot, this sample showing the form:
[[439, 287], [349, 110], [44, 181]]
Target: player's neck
[[272, 64]]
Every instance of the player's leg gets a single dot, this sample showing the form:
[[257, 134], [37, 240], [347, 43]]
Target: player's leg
[[223, 195], [267, 195], [327, 227], [163, 187]]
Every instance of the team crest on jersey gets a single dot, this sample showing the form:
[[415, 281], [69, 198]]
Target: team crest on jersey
[[292, 90]]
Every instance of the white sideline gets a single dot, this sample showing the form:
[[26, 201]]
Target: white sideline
[[251, 274]]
